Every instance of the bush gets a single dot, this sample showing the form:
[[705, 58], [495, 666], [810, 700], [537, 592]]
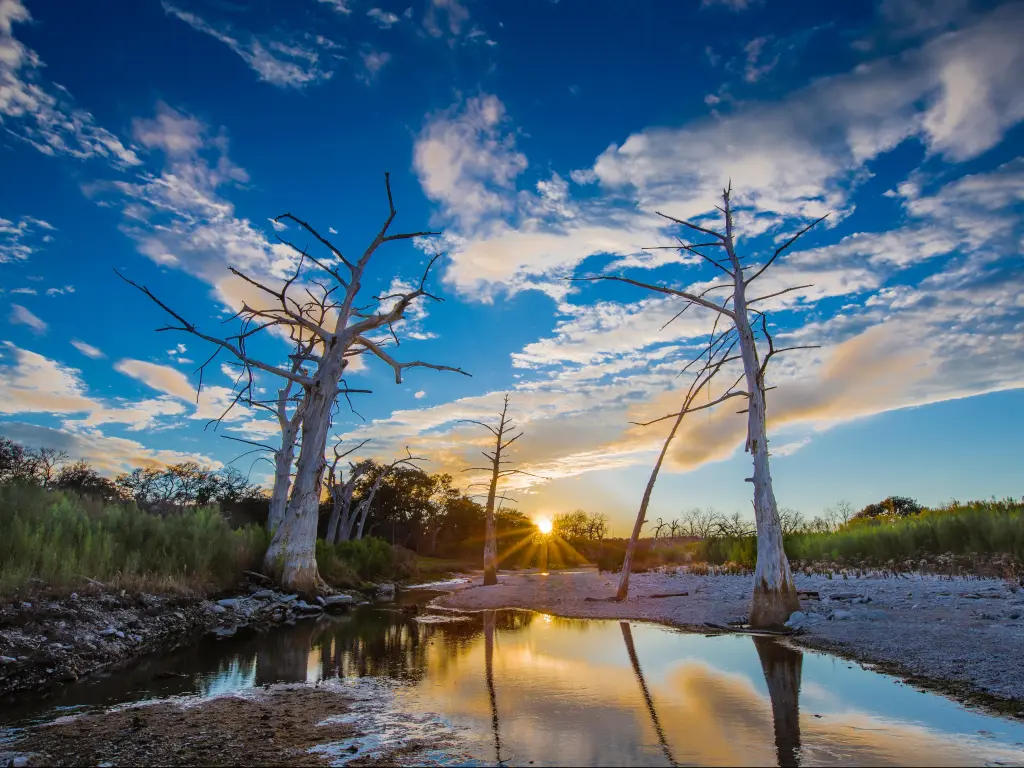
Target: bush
[[350, 562], [62, 538]]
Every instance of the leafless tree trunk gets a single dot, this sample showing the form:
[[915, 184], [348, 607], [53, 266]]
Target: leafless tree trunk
[[342, 329], [341, 493], [364, 506], [775, 596], [505, 426], [634, 660]]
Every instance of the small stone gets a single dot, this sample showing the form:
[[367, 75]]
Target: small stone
[[287, 598], [796, 620], [74, 595], [26, 605], [321, 601], [7, 660], [107, 632], [214, 608], [119, 635], [230, 603], [875, 615], [840, 615], [263, 594]]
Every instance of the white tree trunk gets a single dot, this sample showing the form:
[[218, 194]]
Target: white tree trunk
[[291, 557], [775, 596], [283, 458]]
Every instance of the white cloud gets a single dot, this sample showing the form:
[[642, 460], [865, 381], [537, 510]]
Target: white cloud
[[26, 291], [332, 230], [87, 349], [286, 64], [384, 19], [756, 67], [60, 291], [43, 114], [373, 63], [419, 395], [452, 14], [13, 237], [210, 403], [22, 316], [340, 6]]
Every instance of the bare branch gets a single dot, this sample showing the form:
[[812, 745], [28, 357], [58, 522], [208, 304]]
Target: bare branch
[[784, 246], [399, 367], [696, 299]]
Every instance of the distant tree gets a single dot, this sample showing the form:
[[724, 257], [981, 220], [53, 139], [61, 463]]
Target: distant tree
[[893, 506], [791, 521], [698, 522], [81, 478], [16, 464], [47, 461]]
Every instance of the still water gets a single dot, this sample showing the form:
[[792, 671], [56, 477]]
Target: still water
[[517, 687]]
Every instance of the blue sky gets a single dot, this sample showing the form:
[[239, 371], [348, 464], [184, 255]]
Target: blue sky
[[159, 138]]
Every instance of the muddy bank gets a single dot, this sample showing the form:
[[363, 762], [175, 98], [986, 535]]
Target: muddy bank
[[277, 727], [963, 637], [47, 642]]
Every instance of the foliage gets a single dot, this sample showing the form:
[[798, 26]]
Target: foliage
[[187, 484], [62, 538], [576, 525], [893, 506], [349, 562]]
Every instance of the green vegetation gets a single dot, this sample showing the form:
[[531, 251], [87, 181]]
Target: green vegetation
[[63, 539], [984, 538]]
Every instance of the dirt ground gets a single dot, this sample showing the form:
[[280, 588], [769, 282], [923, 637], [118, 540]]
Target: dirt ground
[[963, 637]]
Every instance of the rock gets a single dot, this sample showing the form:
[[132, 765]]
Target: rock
[[263, 594], [230, 603], [225, 631], [861, 600], [875, 615], [336, 601], [385, 588], [26, 606], [7, 660], [107, 632], [305, 607], [119, 635], [74, 595], [797, 620], [840, 615], [321, 601], [846, 595], [287, 598], [213, 608]]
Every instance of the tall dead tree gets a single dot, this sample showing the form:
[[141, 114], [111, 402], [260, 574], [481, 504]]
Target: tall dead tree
[[775, 596], [501, 443], [346, 329]]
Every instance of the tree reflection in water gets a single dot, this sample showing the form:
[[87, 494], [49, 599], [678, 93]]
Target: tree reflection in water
[[627, 635], [489, 674], [782, 670]]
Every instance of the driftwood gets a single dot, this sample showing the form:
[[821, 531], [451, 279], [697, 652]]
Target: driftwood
[[746, 631]]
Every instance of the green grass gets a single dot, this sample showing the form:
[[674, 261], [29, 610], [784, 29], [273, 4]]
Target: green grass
[[63, 539]]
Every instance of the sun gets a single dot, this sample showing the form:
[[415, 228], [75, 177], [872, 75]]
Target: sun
[[543, 525]]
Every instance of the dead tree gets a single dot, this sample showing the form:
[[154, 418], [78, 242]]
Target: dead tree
[[775, 596], [341, 493], [501, 443], [718, 356], [343, 329], [363, 511]]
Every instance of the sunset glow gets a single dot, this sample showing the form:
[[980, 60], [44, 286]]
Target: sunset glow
[[544, 525]]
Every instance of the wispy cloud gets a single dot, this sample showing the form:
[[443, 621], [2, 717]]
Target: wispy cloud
[[88, 349], [19, 240], [41, 113], [383, 19], [293, 63], [22, 316], [373, 63]]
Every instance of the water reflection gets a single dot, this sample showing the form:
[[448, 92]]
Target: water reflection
[[782, 667], [627, 635], [525, 687]]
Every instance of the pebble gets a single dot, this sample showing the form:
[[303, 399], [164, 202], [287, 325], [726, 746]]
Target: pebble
[[230, 603], [263, 594], [7, 660], [214, 608], [840, 615], [108, 632]]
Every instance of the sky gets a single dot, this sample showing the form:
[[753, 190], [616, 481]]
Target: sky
[[539, 137]]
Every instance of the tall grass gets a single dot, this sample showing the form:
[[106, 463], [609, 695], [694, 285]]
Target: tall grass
[[980, 533], [62, 539]]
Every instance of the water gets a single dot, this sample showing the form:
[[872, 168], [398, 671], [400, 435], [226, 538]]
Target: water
[[515, 687]]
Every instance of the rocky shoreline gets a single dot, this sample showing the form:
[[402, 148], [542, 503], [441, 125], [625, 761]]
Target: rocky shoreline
[[47, 641]]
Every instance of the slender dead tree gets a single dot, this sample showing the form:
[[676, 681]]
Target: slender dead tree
[[705, 375], [363, 511], [501, 443], [345, 330], [775, 596], [341, 492]]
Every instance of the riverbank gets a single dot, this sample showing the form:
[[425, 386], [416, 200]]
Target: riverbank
[[49, 641], [957, 636]]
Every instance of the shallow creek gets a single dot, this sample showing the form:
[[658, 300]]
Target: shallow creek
[[515, 687]]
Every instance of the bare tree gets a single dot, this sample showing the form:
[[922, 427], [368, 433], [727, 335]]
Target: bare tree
[[341, 493], [342, 329], [501, 443], [657, 529], [47, 460], [775, 596], [364, 506]]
